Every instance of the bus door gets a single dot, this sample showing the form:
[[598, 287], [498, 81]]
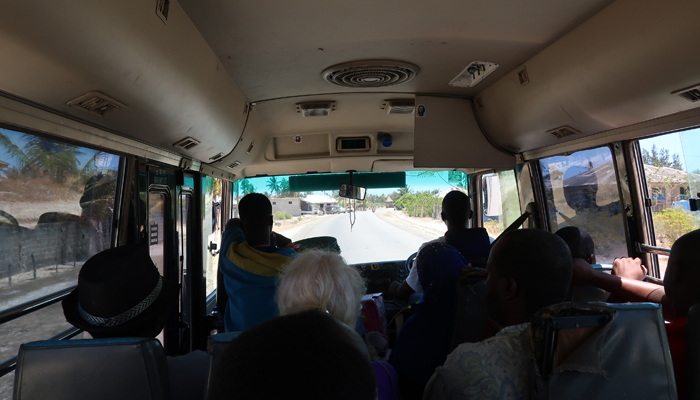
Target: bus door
[[158, 197]]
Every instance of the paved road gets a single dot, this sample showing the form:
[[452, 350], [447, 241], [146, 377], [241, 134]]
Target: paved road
[[372, 238]]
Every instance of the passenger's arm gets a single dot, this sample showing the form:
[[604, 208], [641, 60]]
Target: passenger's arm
[[627, 289], [279, 240], [403, 292]]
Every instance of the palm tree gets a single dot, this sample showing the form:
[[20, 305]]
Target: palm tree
[[284, 188], [14, 151], [56, 160], [273, 185], [247, 187], [405, 190]]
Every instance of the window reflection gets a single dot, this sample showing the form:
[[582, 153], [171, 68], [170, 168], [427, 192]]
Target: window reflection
[[581, 190]]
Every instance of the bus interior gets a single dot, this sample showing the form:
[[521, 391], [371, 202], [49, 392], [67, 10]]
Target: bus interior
[[145, 122]]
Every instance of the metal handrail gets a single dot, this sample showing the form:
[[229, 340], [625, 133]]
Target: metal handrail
[[645, 248], [9, 365], [34, 305]]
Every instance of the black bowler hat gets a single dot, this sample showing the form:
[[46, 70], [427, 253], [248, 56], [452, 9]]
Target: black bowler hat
[[119, 290]]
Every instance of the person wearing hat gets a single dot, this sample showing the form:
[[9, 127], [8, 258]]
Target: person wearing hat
[[120, 293]]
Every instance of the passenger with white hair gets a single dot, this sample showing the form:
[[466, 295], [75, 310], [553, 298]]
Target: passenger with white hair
[[318, 279], [321, 280]]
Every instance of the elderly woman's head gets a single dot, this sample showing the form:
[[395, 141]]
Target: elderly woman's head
[[321, 280]]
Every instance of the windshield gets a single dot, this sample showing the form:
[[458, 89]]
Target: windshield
[[390, 224]]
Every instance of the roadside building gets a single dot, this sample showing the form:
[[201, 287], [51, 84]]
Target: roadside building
[[317, 202], [291, 205], [389, 202]]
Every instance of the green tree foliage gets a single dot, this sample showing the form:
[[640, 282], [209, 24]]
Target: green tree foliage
[[273, 185], [284, 188], [661, 158], [425, 200], [404, 191], [243, 187], [44, 157], [672, 223], [217, 187], [56, 160], [15, 152]]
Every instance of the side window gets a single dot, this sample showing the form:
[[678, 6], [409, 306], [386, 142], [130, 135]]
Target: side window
[[56, 206], [672, 174], [581, 190], [211, 229], [499, 195]]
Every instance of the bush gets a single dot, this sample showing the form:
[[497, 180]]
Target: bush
[[280, 215], [672, 223]]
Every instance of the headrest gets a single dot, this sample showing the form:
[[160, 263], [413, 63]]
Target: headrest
[[117, 368]]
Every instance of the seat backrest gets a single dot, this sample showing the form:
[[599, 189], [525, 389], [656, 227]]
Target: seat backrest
[[387, 381], [601, 351], [107, 369], [216, 346], [470, 312], [473, 244], [692, 353]]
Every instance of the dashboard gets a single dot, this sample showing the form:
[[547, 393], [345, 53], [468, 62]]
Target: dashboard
[[380, 275]]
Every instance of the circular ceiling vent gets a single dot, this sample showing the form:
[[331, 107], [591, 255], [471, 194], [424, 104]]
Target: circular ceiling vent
[[370, 74]]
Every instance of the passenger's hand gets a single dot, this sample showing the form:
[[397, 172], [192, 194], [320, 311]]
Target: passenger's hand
[[630, 268], [584, 273], [394, 287], [279, 240]]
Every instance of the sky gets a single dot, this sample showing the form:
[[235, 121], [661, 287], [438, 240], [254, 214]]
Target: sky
[[685, 143]]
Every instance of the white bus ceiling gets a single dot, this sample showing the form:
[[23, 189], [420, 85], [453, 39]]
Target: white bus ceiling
[[595, 66]]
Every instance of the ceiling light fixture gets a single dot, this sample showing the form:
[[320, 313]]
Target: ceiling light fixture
[[315, 108], [474, 73]]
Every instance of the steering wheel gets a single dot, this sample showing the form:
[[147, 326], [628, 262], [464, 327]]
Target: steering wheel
[[9, 217], [409, 262]]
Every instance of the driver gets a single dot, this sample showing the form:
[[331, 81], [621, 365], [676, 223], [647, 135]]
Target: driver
[[473, 244]]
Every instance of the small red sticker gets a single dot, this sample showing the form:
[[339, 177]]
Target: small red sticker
[[297, 139]]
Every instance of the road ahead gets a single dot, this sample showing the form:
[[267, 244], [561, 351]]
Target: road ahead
[[372, 237]]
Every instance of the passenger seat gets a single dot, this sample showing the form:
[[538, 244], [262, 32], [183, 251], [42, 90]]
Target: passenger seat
[[601, 351], [105, 369], [692, 352]]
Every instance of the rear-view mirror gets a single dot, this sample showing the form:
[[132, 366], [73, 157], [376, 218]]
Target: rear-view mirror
[[352, 192]]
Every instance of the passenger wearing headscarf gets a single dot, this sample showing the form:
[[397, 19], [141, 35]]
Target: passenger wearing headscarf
[[424, 341]]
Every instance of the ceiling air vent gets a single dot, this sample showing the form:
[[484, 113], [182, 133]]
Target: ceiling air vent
[[186, 143], [690, 94], [96, 103], [400, 106], [234, 165], [315, 108], [370, 74], [216, 157], [563, 131]]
